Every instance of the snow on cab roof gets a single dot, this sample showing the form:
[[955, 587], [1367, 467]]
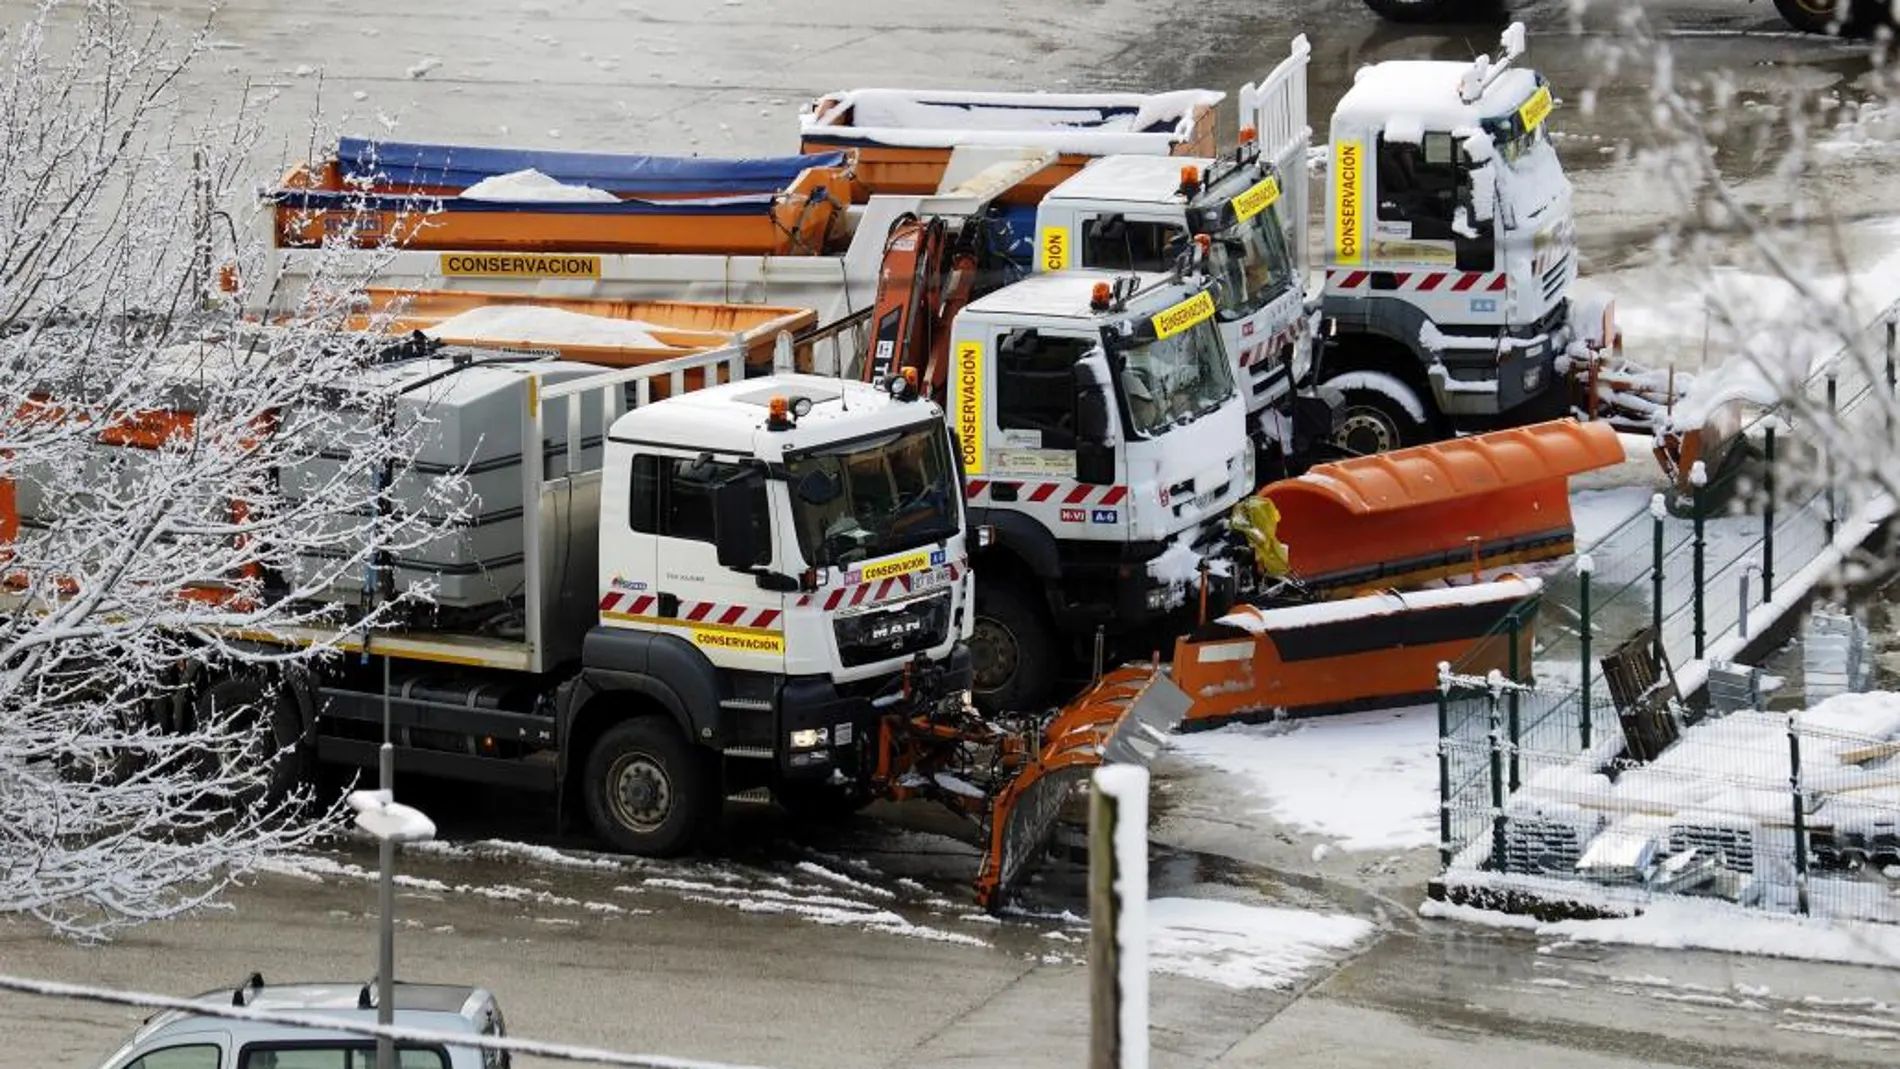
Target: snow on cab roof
[[1134, 179], [1063, 294], [726, 417], [1422, 94]]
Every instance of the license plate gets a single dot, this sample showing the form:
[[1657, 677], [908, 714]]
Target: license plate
[[929, 580]]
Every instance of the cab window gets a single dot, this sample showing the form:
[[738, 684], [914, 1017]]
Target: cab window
[[195, 1056], [335, 1056], [1418, 184], [1035, 387], [1117, 243], [673, 497]]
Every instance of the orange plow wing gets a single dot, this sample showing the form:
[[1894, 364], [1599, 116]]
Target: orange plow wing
[[1378, 650], [1119, 720], [1430, 511]]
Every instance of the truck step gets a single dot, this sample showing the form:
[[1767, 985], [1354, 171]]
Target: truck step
[[755, 796]]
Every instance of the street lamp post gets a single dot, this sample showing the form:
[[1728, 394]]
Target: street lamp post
[[379, 814]]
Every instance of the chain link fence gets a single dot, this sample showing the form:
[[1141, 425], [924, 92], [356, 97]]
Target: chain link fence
[[1534, 772]]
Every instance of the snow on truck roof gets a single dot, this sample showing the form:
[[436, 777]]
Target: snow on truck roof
[[727, 418], [1057, 294], [1424, 94], [1087, 123], [1133, 179]]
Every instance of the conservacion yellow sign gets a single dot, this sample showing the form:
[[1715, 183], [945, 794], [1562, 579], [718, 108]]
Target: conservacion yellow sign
[[896, 566], [1174, 320], [1536, 108], [739, 640], [1257, 199], [1055, 248], [1348, 245], [518, 265], [970, 405]]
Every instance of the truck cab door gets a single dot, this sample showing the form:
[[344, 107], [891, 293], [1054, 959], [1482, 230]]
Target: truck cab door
[[1054, 454], [711, 535]]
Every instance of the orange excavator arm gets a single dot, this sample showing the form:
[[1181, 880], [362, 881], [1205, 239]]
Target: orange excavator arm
[[927, 276]]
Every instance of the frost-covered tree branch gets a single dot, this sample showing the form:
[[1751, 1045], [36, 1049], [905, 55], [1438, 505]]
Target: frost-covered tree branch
[[190, 503], [1759, 225]]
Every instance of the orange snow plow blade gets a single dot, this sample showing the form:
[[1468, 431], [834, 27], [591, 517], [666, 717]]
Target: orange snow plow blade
[[1120, 720], [1366, 652], [1431, 511]]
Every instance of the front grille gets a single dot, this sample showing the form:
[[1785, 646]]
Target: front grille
[[881, 633]]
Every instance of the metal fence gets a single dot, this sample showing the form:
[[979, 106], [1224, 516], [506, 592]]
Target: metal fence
[[1541, 749]]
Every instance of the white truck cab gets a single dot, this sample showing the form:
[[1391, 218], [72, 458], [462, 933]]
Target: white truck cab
[[1099, 428], [1451, 251], [1136, 213]]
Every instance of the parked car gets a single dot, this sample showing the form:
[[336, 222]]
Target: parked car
[[178, 1039]]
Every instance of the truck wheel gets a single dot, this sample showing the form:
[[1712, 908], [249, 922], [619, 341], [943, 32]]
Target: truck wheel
[[276, 733], [1425, 10], [649, 792], [1823, 17], [1376, 422], [1011, 660]]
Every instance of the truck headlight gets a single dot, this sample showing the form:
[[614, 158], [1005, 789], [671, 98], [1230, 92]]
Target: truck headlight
[[810, 738], [1533, 374], [1157, 599]]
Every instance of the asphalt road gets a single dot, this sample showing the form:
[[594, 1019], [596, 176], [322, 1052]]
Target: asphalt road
[[674, 965]]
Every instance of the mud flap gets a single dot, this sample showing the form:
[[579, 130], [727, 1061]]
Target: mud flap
[[1123, 719]]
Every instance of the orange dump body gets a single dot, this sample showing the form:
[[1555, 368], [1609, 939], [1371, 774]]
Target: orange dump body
[[803, 218], [1372, 651], [1430, 511], [910, 160], [679, 327]]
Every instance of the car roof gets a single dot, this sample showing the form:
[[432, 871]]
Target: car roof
[[441, 1007]]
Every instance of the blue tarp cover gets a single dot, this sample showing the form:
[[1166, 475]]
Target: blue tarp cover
[[461, 166]]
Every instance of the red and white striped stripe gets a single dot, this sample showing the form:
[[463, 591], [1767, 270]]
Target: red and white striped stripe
[[621, 603], [1267, 351], [856, 595], [1041, 493], [1421, 281]]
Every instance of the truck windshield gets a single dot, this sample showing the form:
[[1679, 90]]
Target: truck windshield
[[874, 496], [1252, 263], [1172, 380]]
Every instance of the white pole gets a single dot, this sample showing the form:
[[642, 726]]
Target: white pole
[[1118, 918]]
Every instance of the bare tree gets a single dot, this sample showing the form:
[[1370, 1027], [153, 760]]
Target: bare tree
[[1695, 139], [192, 505]]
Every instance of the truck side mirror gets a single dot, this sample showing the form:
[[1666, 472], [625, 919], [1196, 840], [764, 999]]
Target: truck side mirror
[[739, 522], [1094, 449]]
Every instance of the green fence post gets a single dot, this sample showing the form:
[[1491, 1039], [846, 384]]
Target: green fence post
[[1699, 484], [1800, 817], [1657, 511], [1585, 566], [1497, 776], [1511, 664], [1768, 516], [1833, 404], [1892, 326], [1444, 765]]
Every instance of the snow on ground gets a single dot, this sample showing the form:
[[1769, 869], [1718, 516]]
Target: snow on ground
[[1368, 780], [1242, 946], [1595, 513], [1703, 924]]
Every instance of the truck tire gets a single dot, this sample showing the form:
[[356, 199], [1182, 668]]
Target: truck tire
[[648, 790], [1372, 421], [1011, 657], [1822, 17], [277, 731], [1427, 10]]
